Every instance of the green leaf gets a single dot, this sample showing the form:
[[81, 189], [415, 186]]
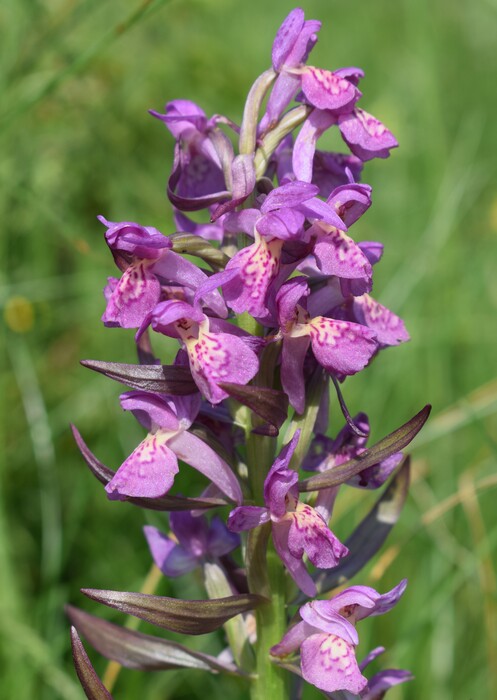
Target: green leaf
[[164, 503], [91, 683], [183, 616], [140, 651], [394, 442]]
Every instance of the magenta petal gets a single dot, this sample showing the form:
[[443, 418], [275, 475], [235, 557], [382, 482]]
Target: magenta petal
[[316, 209], [329, 663], [147, 473], [305, 145], [290, 195], [341, 347], [286, 37], [220, 357], [320, 617], [337, 254], [310, 534], [292, 639], [366, 136], [190, 532], [288, 297], [247, 517], [326, 90], [389, 328], [284, 224], [292, 370], [151, 410], [383, 681], [134, 296], [295, 566], [201, 457]]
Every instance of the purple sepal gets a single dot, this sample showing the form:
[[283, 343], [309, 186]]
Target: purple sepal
[[366, 136], [331, 170]]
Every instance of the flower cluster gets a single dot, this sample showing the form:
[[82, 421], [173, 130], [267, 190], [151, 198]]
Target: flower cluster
[[285, 306]]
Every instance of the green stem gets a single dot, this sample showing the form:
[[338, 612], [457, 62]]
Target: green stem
[[271, 681]]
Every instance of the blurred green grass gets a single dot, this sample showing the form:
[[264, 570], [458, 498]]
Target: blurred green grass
[[77, 79]]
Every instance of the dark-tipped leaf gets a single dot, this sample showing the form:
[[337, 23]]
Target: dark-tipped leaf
[[139, 651], [165, 379], [270, 404], [90, 682], [369, 535], [174, 614], [164, 503], [394, 442]]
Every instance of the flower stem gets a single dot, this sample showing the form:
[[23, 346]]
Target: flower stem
[[270, 681]]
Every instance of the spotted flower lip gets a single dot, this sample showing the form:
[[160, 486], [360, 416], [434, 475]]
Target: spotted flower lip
[[365, 135], [143, 255], [217, 352], [341, 347], [297, 528], [326, 636], [150, 469], [195, 541]]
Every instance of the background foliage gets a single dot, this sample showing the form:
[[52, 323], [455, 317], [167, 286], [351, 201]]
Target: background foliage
[[77, 77]]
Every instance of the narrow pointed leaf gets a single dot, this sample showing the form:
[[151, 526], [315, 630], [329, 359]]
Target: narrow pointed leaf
[[394, 442], [195, 245], [139, 651], [164, 503], [91, 683], [165, 379], [370, 534], [174, 614], [271, 405]]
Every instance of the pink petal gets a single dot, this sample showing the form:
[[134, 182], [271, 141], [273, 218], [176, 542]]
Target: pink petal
[[366, 136], [147, 473], [329, 663], [247, 517], [337, 254], [295, 566], [151, 410], [134, 296], [305, 145], [201, 457], [389, 328], [341, 347], [310, 534], [325, 90]]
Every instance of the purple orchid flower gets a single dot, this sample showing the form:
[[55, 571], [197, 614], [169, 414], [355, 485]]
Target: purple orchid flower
[[327, 636], [341, 347], [150, 469], [197, 179], [217, 350], [297, 528], [148, 266], [195, 541]]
